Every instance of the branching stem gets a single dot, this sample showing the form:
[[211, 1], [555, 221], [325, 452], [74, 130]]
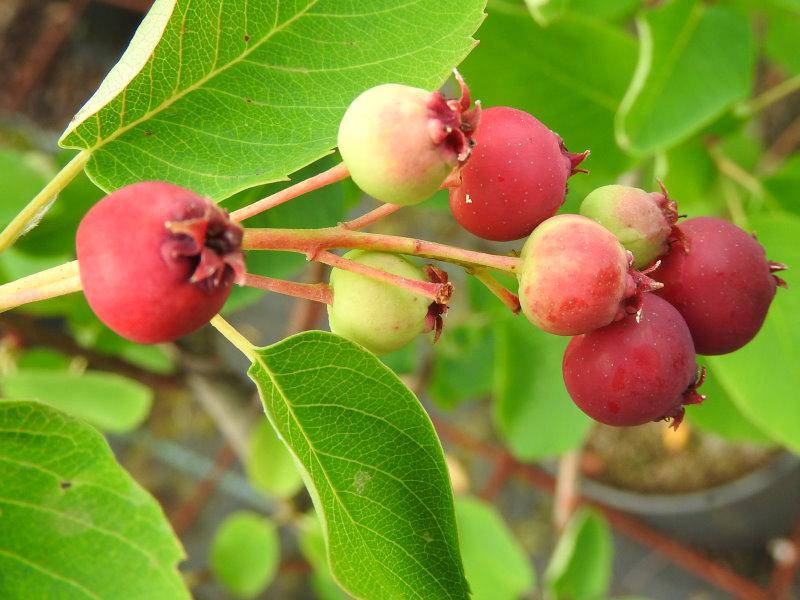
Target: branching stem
[[311, 241], [332, 175]]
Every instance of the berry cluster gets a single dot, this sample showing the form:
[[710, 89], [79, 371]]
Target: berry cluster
[[158, 261]]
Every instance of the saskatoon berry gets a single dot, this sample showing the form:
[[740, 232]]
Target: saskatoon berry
[[400, 143], [157, 261], [635, 370], [576, 277], [719, 279], [379, 316], [643, 222], [515, 178]]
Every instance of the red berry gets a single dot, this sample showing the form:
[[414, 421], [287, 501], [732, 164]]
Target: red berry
[[157, 261], [515, 178], [719, 279], [634, 371], [576, 277]]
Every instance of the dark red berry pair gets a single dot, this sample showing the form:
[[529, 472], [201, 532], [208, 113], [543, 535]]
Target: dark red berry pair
[[157, 261]]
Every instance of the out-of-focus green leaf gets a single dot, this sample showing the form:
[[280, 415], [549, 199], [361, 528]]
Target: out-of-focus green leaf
[[547, 11], [74, 524], [695, 61], [780, 42], [618, 10], [570, 75], [762, 378], [108, 401], [722, 417], [580, 567], [43, 358], [496, 565], [689, 175], [463, 365], [270, 467], [531, 406], [245, 553], [22, 176], [783, 185]]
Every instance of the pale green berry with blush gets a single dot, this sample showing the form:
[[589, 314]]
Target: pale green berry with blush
[[644, 222], [375, 314], [401, 143]]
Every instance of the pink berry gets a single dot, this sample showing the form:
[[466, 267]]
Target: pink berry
[[719, 279], [576, 277], [515, 178], [157, 261], [635, 370]]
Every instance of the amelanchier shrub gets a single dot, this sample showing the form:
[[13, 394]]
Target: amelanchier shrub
[[639, 291]]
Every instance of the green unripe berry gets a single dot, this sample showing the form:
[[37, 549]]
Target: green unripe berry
[[643, 222], [400, 143], [375, 314]]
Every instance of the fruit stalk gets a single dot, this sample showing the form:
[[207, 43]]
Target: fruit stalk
[[58, 281], [317, 292], [438, 292], [371, 217], [332, 175], [312, 241], [36, 207], [507, 297]]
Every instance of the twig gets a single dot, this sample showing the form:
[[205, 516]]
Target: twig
[[566, 491], [438, 292], [316, 292], [371, 217], [305, 314], [332, 175]]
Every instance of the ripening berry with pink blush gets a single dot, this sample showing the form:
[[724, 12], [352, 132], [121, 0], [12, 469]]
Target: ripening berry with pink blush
[[576, 277], [635, 370], [157, 261], [515, 178]]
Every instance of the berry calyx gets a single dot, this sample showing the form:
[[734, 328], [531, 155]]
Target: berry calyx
[[576, 277], [635, 370], [379, 316], [400, 143], [719, 279], [644, 222], [515, 179], [157, 261]]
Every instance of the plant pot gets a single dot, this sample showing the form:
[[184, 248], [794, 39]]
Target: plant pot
[[745, 513]]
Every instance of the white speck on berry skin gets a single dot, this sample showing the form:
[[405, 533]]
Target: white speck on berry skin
[[469, 200]]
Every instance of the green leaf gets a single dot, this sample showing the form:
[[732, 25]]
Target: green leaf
[[783, 185], [74, 524], [496, 565], [570, 75], [245, 553], [763, 376], [222, 96], [43, 358], [580, 567], [695, 61], [372, 463], [108, 401], [312, 545], [719, 415], [270, 467], [619, 10], [532, 408], [780, 43], [462, 369]]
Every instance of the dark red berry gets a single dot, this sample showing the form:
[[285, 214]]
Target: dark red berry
[[635, 371], [719, 279], [576, 277], [515, 178], [157, 261]]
